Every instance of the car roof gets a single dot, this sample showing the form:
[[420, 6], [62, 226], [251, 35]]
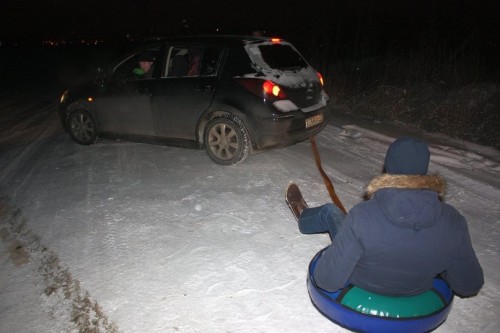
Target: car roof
[[224, 40]]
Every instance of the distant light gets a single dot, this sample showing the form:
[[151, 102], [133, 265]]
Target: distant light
[[275, 40], [90, 99]]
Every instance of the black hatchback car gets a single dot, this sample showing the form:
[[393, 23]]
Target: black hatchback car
[[232, 95]]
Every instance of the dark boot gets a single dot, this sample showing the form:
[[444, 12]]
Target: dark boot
[[295, 200]]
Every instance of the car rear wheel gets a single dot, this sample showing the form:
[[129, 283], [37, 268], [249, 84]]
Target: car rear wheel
[[226, 140], [82, 127]]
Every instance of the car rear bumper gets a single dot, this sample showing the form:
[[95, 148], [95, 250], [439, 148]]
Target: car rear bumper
[[286, 130]]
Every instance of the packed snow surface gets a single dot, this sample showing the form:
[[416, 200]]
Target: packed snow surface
[[131, 237]]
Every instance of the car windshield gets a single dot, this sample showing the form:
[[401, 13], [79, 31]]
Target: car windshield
[[282, 56]]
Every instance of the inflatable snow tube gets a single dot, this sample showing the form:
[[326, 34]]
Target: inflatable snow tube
[[362, 311]]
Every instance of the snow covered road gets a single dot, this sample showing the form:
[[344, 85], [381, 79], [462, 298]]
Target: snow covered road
[[132, 237]]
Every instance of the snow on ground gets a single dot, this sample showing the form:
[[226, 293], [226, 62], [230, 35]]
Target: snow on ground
[[132, 237]]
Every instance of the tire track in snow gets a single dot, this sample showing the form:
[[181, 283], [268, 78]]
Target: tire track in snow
[[38, 135], [63, 297]]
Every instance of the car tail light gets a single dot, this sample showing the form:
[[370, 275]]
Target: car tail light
[[321, 79], [262, 88], [273, 89], [275, 40]]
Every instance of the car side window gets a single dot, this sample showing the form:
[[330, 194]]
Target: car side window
[[131, 69], [210, 61], [123, 69], [192, 61], [177, 64]]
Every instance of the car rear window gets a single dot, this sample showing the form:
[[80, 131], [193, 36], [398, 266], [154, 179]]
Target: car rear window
[[280, 56]]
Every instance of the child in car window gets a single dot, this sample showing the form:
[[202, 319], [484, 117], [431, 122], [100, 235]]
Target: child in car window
[[194, 62]]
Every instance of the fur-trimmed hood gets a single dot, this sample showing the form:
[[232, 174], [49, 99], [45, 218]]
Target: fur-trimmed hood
[[408, 201], [434, 183]]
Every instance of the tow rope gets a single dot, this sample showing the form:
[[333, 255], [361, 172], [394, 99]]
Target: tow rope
[[328, 182]]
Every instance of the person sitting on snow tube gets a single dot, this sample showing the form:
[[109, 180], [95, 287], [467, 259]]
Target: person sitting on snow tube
[[400, 238]]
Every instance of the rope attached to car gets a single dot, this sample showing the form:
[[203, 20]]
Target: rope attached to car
[[326, 179]]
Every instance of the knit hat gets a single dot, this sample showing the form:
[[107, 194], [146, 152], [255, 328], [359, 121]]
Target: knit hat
[[146, 56], [407, 156]]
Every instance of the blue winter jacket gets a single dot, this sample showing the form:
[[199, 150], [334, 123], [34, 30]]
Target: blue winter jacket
[[399, 240]]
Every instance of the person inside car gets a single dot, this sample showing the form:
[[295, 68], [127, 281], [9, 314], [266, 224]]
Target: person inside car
[[145, 69], [194, 62], [398, 240]]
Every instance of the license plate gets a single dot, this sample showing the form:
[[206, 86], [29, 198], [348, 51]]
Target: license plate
[[314, 120]]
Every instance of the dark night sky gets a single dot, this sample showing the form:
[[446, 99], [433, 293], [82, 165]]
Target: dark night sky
[[27, 18], [389, 19]]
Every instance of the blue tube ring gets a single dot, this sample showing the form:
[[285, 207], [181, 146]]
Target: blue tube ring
[[362, 311]]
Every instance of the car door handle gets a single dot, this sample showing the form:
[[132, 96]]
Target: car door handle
[[144, 90], [204, 88]]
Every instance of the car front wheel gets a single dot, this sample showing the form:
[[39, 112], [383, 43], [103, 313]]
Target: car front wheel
[[82, 127], [226, 140]]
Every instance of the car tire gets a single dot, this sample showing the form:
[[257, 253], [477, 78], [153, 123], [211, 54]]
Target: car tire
[[82, 127], [226, 140]]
